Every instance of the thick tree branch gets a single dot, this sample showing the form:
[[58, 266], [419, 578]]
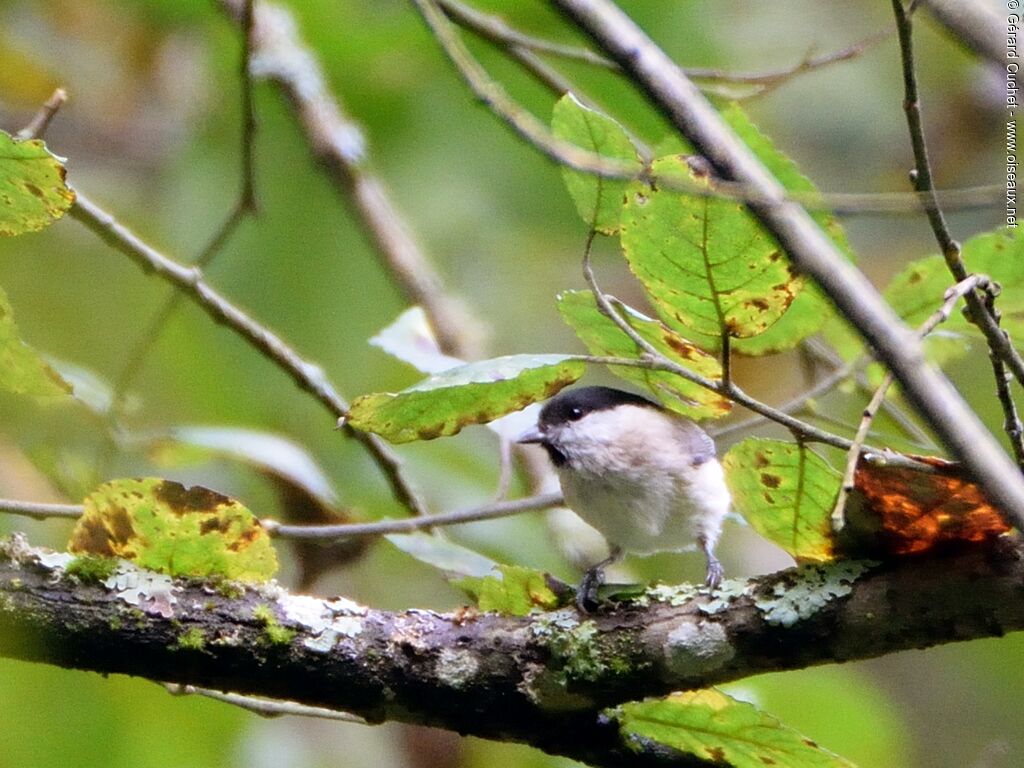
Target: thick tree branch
[[544, 679], [665, 85]]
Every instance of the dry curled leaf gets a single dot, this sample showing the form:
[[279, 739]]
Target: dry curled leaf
[[912, 512]]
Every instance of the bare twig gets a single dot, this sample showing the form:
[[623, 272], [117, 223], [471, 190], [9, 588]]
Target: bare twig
[[528, 127], [772, 79], [979, 312], [281, 57], [495, 29], [189, 280], [38, 125], [248, 196], [796, 403], [808, 248], [39, 510], [950, 299], [261, 706], [405, 525], [244, 206]]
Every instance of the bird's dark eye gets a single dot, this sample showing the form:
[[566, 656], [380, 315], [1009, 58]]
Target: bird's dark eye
[[575, 414]]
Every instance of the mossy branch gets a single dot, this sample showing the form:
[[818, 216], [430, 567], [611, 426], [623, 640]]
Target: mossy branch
[[545, 679]]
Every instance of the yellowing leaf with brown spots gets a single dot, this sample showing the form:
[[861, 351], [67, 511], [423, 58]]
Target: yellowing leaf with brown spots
[[164, 526], [720, 730], [709, 267], [475, 393], [786, 492], [603, 337], [32, 189]]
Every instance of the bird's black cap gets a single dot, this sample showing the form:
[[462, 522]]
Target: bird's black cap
[[574, 404]]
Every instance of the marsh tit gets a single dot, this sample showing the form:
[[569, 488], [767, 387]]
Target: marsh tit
[[644, 477]]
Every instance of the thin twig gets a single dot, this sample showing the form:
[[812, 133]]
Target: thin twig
[[263, 707], [140, 351], [281, 57], [808, 248], [245, 205], [1011, 420], [309, 377], [248, 196], [797, 403], [853, 456], [495, 29], [773, 78], [405, 525], [41, 121], [978, 309], [528, 127], [39, 510]]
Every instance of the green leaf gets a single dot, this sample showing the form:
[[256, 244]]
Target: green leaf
[[470, 394], [721, 730], [32, 190], [918, 291], [810, 308], [598, 200], [443, 554], [603, 337], [515, 591], [707, 264], [786, 492], [163, 526], [22, 372]]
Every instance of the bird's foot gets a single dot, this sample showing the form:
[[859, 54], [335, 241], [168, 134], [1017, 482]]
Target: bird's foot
[[714, 573], [586, 593]]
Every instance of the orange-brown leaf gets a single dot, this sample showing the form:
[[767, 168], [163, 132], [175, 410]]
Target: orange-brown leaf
[[917, 512]]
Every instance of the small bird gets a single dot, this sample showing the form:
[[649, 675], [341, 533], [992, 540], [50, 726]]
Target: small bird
[[645, 478]]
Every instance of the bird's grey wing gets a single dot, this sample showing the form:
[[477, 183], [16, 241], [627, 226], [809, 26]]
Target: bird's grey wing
[[695, 442]]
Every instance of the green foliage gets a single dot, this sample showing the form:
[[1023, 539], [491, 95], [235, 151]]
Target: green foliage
[[786, 492], [163, 526], [32, 190], [603, 337], [470, 394], [917, 291], [21, 370], [721, 730], [515, 591], [706, 263], [598, 200]]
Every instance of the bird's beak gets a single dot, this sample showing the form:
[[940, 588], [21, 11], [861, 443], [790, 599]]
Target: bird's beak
[[532, 435]]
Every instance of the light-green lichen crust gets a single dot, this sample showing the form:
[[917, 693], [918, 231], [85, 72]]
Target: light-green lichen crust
[[574, 646], [814, 588]]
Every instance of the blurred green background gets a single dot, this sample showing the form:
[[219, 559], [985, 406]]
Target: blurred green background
[[151, 133]]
